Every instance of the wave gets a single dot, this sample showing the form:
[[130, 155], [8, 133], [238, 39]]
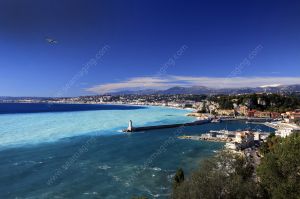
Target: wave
[[156, 169], [104, 167], [27, 162]]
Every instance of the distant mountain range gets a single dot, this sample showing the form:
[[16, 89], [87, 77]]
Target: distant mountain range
[[212, 91], [191, 90]]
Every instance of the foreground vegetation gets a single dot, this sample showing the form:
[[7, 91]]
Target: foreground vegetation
[[279, 171], [229, 175]]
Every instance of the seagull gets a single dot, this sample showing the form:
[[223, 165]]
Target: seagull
[[51, 41]]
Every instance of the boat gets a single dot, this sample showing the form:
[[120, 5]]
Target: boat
[[217, 120]]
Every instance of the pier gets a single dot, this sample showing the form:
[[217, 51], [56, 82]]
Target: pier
[[248, 119], [235, 140], [131, 128], [165, 126]]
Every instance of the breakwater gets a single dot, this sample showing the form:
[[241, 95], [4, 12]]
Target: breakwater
[[198, 122], [146, 128], [248, 119]]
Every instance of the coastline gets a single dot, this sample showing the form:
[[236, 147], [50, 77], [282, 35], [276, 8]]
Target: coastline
[[141, 140], [191, 111]]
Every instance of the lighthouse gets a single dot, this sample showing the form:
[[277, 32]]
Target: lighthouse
[[130, 127]]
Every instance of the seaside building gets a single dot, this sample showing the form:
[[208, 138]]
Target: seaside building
[[292, 117], [250, 113], [263, 114], [257, 136], [223, 134], [238, 137], [226, 112], [286, 129], [275, 115], [284, 132], [242, 110], [244, 139], [231, 146]]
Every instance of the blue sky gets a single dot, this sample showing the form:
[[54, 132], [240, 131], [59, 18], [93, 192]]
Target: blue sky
[[145, 44]]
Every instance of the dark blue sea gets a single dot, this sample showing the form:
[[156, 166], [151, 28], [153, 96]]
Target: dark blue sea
[[79, 151], [8, 108]]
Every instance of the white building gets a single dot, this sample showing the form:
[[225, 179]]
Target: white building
[[283, 132], [230, 145], [257, 136], [287, 129], [244, 139]]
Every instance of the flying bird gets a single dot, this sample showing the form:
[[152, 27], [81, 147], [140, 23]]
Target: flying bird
[[51, 41]]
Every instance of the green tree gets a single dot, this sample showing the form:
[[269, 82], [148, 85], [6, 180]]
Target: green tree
[[274, 102], [225, 176], [178, 178], [269, 144], [279, 171], [213, 112]]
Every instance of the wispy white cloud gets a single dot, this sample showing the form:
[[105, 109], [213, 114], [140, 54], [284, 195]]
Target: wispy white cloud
[[237, 82], [134, 84], [165, 82]]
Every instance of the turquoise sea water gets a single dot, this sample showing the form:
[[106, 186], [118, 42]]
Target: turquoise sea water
[[35, 128], [83, 154]]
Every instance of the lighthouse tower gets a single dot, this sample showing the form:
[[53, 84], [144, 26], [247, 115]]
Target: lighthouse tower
[[130, 127]]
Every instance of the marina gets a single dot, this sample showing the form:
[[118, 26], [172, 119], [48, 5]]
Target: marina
[[235, 140]]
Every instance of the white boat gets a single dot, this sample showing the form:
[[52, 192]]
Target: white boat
[[217, 120]]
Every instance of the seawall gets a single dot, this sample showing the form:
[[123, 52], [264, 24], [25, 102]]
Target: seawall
[[146, 128]]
